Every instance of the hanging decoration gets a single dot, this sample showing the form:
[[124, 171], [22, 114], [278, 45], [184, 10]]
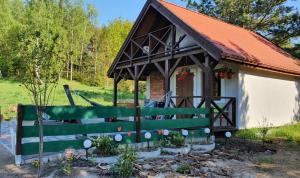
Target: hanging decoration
[[183, 73], [224, 73]]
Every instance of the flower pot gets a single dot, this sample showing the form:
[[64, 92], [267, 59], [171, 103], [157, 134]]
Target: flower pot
[[149, 154], [222, 74], [229, 75], [203, 148], [181, 150], [106, 160]]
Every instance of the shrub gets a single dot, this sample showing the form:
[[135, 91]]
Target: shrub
[[184, 169], [105, 146], [264, 128], [67, 169], [174, 139], [124, 167]]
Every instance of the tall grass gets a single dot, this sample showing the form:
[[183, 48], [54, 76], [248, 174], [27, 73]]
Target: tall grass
[[289, 133]]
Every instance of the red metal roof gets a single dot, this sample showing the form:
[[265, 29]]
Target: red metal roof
[[236, 43]]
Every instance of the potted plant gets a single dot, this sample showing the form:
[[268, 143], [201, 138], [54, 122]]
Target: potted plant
[[183, 73], [150, 151], [230, 74], [105, 150], [175, 143]]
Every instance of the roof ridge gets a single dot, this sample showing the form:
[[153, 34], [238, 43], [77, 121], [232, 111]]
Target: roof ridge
[[211, 17]]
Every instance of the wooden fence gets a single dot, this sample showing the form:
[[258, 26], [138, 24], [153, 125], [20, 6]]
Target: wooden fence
[[27, 116]]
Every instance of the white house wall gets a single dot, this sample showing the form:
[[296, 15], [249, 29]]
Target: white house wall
[[261, 96]]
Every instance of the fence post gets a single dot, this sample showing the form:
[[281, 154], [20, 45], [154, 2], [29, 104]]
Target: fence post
[[138, 124], [234, 112], [19, 134]]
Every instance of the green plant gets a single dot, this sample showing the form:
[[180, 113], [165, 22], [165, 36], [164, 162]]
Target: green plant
[[264, 128], [67, 169], [35, 163], [124, 167], [176, 139], [105, 146], [184, 169]]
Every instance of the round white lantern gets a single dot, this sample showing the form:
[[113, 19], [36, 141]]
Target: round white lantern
[[166, 132], [118, 137], [147, 135], [87, 143], [228, 134], [185, 132], [207, 130]]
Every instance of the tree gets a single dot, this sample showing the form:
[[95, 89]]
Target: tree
[[111, 39], [39, 52], [273, 19]]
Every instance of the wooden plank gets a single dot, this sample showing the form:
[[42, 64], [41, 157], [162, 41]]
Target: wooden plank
[[55, 146], [72, 129], [78, 112], [172, 111], [20, 117], [174, 124], [61, 145]]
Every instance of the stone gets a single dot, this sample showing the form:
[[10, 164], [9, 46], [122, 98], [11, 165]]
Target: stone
[[147, 166], [174, 167]]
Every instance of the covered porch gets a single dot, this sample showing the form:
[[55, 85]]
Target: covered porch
[[162, 48]]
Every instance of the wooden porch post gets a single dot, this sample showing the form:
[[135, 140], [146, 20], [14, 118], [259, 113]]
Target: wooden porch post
[[167, 76], [136, 86], [208, 89], [115, 96], [137, 118]]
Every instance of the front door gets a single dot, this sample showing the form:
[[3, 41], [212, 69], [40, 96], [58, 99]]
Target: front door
[[184, 87]]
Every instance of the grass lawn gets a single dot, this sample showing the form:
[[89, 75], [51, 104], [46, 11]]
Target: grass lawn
[[12, 93], [289, 133]]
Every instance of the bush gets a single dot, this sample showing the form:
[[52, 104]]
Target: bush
[[105, 146], [175, 139], [184, 169], [124, 167]]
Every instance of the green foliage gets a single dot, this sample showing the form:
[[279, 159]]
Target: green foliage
[[12, 93], [273, 19], [105, 146], [124, 167], [289, 133], [175, 139], [67, 169], [35, 163], [184, 169]]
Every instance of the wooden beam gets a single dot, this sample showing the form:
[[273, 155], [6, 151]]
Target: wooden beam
[[167, 76], [197, 62], [172, 70], [136, 86], [195, 50], [19, 131], [115, 94], [208, 89], [161, 70], [130, 72], [141, 71]]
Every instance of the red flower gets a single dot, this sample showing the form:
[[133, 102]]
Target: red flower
[[129, 133]]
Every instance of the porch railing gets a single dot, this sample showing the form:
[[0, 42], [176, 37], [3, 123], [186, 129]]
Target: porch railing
[[224, 109]]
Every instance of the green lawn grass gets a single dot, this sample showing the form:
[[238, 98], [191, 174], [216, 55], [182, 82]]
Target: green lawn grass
[[289, 133], [13, 93]]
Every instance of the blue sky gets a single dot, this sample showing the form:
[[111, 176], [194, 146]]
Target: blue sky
[[129, 9]]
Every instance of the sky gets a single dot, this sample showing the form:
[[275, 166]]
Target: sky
[[129, 9]]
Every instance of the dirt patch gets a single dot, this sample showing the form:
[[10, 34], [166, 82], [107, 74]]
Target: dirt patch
[[236, 158], [9, 170]]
